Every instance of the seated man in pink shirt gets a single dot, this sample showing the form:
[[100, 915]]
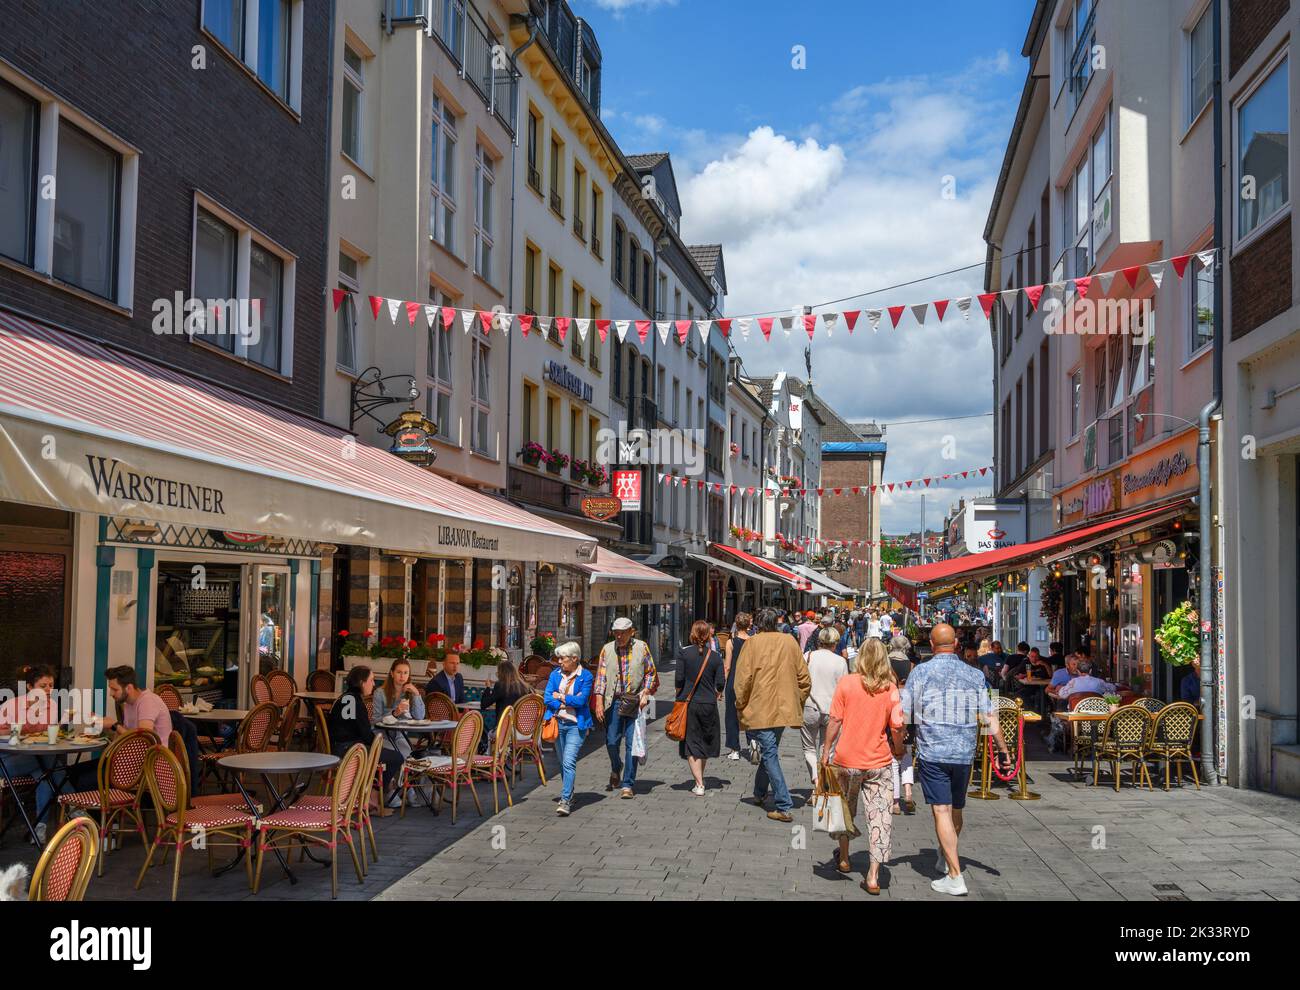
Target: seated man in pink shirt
[[140, 709]]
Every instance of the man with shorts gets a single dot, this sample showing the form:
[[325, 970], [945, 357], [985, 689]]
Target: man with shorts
[[948, 700]]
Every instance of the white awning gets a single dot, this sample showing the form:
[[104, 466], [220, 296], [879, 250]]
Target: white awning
[[619, 580]]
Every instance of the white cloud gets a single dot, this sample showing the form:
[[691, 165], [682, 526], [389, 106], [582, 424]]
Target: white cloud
[[621, 6]]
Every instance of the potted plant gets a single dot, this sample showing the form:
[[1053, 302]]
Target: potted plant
[[477, 655], [543, 644], [1112, 700], [533, 453], [557, 460], [354, 644], [597, 475], [1179, 636], [735, 450]]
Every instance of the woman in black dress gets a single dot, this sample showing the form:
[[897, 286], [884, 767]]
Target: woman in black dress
[[699, 662], [734, 645]]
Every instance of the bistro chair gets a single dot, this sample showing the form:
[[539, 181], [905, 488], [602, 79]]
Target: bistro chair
[[22, 786], [322, 729], [118, 795], [170, 695], [259, 689], [1152, 705], [360, 819], [178, 821], [1087, 733], [320, 680], [1124, 738], [439, 707], [1172, 738], [282, 686], [493, 766], [1072, 701], [63, 871], [308, 826], [234, 799], [288, 723], [529, 713], [535, 670], [254, 736], [459, 769]]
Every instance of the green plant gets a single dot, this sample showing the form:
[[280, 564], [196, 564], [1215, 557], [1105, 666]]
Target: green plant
[[1050, 598], [479, 656], [1110, 699], [543, 644], [354, 644], [1179, 636]]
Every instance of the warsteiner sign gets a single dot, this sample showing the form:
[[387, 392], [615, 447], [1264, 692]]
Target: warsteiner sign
[[601, 507]]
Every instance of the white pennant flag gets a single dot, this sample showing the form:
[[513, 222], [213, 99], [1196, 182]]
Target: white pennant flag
[[744, 324], [1206, 258], [963, 304], [620, 328], [582, 326], [663, 326], [430, 314], [1009, 299], [1103, 281], [1157, 272], [393, 306], [873, 317], [703, 326], [787, 324], [829, 320], [542, 327], [505, 321], [467, 317]]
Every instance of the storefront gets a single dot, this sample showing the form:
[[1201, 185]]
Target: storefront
[[784, 588], [616, 586]]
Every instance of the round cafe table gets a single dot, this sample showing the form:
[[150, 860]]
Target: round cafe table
[[56, 774], [288, 763]]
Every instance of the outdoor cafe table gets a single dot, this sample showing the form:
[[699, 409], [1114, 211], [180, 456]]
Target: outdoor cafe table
[[318, 697], [287, 763], [217, 715], [469, 706], [56, 774]]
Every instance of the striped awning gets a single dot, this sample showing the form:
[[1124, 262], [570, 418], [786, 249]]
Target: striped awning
[[761, 564], [86, 428], [619, 580]]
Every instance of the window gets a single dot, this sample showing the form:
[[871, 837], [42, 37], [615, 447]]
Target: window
[[1200, 65], [594, 336], [597, 219], [273, 20], [1044, 440], [534, 162], [1101, 158], [579, 198], [1262, 135], [1020, 416], [663, 294], [1201, 309], [442, 199], [576, 297], [689, 406], [1028, 416], [554, 282], [480, 392], [453, 26], [345, 349], [575, 432], [619, 233], [1076, 400], [262, 34], [645, 282], [557, 159], [484, 177], [1099, 404], [661, 393], [633, 258], [1082, 197], [1032, 255], [1020, 280], [677, 399], [616, 384], [225, 20], [530, 402], [593, 433], [532, 261], [19, 118], [552, 422], [216, 260], [266, 292], [1115, 370], [1142, 355], [438, 371], [353, 87], [1078, 36], [86, 212]]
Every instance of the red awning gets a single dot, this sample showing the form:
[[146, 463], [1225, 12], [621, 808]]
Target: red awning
[[905, 582], [795, 581]]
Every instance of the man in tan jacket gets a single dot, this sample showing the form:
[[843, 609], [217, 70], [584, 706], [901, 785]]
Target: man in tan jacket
[[772, 684]]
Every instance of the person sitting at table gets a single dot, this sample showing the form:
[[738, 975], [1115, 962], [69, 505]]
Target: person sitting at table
[[1062, 676], [33, 710], [349, 723], [1189, 688], [399, 698], [988, 661], [1037, 667], [449, 680], [1085, 681], [140, 709], [502, 692]]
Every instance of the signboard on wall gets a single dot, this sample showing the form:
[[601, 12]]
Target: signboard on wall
[[601, 507], [627, 489]]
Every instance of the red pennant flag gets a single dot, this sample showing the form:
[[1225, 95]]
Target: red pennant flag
[[448, 317], [376, 304], [908, 483], [1179, 263], [1033, 294], [642, 329], [820, 491], [525, 323], [749, 491], [1083, 284], [561, 324], [927, 482], [412, 311], [724, 326], [986, 303], [486, 319], [602, 328], [699, 486], [338, 299], [733, 489], [940, 307], [964, 473], [683, 328], [856, 490], [809, 322], [851, 318], [895, 312], [890, 486], [983, 471], [1132, 275], [838, 491], [765, 324]]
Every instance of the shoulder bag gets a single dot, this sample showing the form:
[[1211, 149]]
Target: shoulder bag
[[675, 723], [551, 727]]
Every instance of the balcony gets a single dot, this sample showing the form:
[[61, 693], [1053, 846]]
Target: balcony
[[539, 490], [642, 414], [557, 204], [578, 228], [465, 36], [535, 179], [595, 246]]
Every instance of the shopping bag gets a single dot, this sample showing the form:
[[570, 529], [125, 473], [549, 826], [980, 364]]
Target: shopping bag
[[830, 811], [638, 737]]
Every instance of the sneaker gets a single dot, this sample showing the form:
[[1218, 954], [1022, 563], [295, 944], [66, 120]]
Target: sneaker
[[40, 833], [734, 755], [396, 800], [627, 794], [956, 886], [563, 808], [782, 816], [698, 790]]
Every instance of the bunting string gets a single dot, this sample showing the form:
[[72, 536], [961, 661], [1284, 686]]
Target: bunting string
[[675, 480]]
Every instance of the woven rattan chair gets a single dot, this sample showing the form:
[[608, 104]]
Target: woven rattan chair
[[259, 690], [22, 786], [288, 723], [1125, 738], [1172, 738], [1152, 705], [320, 680], [230, 800], [308, 826], [1086, 733], [530, 712], [360, 819], [255, 734], [117, 798], [493, 766], [322, 729], [63, 871], [283, 687], [439, 707], [1072, 700], [459, 770], [535, 670], [178, 821], [170, 696]]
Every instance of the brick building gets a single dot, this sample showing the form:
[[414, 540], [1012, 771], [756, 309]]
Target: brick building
[[853, 455]]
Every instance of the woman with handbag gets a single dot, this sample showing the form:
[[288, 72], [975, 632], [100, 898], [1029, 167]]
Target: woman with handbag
[[825, 667], [700, 679], [866, 733], [568, 717]]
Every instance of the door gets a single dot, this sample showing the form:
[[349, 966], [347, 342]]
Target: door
[[267, 645]]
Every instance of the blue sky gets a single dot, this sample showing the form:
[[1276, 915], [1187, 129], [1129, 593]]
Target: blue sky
[[873, 165]]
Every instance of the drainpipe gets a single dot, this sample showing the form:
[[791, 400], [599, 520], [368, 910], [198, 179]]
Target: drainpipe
[[1209, 761]]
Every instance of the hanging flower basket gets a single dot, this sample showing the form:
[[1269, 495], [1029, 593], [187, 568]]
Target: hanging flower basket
[[533, 454]]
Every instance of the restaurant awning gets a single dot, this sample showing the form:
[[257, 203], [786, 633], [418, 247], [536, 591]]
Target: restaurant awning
[[737, 572], [89, 429], [906, 582], [762, 565], [618, 580], [832, 586]]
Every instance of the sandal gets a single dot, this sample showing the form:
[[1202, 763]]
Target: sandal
[[872, 889], [842, 864], [896, 810], [910, 807]]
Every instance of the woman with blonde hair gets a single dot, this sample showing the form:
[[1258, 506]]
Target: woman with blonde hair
[[866, 728]]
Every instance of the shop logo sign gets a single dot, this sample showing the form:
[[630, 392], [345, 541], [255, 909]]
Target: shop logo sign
[[1164, 472], [560, 375], [601, 507], [627, 489], [464, 538], [1099, 497], [110, 479], [996, 534]]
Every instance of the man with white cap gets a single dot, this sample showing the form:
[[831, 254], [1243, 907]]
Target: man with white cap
[[623, 687]]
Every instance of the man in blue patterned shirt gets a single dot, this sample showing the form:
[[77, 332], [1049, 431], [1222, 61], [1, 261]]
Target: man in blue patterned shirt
[[948, 700]]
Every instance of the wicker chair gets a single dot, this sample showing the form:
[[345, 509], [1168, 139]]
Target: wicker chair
[[322, 730], [22, 786], [259, 689], [1125, 737], [288, 723], [283, 687], [459, 768], [117, 798], [493, 766], [307, 826], [1073, 700], [535, 670], [1152, 705], [1087, 732], [320, 680], [254, 736], [1172, 738], [230, 800], [63, 871], [440, 708], [171, 697], [165, 778], [530, 712], [360, 818]]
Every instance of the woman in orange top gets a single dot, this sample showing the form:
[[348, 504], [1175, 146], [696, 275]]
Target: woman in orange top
[[865, 714]]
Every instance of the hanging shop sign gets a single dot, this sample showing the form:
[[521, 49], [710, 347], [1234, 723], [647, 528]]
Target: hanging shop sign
[[601, 507], [411, 433], [559, 374], [627, 489]]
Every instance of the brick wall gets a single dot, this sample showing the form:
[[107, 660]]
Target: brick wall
[[127, 66], [1249, 22], [847, 517], [1261, 280]]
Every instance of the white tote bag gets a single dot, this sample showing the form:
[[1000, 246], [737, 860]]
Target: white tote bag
[[638, 737], [829, 808]]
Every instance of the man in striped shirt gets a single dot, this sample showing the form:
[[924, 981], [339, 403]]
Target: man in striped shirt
[[624, 686]]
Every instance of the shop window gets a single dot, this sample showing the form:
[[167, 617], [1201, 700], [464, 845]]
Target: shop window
[[198, 630]]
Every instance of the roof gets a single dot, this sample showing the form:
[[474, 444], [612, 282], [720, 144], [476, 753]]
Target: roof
[[764, 387], [647, 161], [838, 430], [707, 256]]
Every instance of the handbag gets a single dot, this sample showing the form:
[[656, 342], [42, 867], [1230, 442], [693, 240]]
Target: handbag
[[831, 810], [551, 727], [675, 723]]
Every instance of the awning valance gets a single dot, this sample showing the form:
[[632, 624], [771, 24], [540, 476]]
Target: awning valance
[[832, 586], [906, 582], [619, 580], [88, 429], [740, 573], [762, 565]]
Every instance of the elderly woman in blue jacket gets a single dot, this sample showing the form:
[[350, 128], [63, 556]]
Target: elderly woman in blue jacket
[[567, 693]]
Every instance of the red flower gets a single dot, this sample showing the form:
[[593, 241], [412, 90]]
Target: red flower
[[478, 644], [439, 638], [432, 638], [412, 644], [344, 633]]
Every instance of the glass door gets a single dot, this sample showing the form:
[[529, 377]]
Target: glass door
[[267, 645]]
